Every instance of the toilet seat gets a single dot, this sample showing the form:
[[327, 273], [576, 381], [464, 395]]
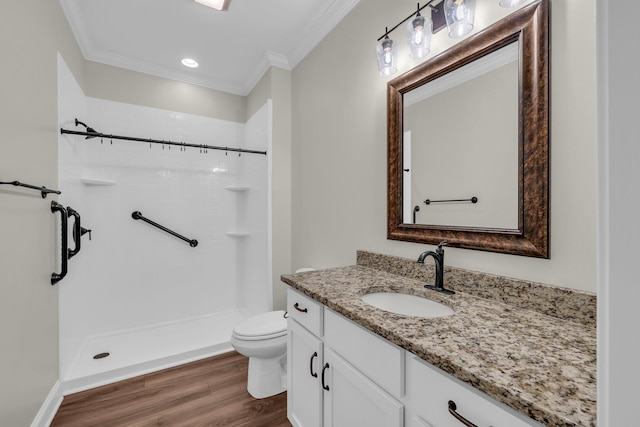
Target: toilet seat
[[262, 327]]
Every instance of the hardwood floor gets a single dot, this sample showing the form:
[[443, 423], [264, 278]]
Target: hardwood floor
[[210, 392]]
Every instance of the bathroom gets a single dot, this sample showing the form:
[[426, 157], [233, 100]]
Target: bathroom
[[328, 181]]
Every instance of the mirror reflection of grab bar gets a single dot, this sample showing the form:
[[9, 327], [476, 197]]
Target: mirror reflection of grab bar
[[474, 199]]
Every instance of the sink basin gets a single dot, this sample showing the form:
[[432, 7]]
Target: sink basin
[[408, 305]]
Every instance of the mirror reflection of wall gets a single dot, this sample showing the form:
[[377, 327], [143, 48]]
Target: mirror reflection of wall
[[464, 130]]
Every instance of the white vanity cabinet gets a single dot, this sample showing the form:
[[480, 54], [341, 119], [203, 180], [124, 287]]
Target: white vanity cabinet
[[342, 375], [324, 389]]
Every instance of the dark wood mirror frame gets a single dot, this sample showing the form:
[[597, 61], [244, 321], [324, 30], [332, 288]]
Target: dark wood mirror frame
[[529, 28]]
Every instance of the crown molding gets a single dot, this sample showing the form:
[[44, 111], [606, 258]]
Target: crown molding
[[320, 29], [324, 23], [76, 21]]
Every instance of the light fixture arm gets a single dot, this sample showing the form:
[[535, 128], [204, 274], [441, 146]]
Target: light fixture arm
[[416, 13]]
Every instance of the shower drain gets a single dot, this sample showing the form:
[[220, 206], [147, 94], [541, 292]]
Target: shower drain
[[101, 355]]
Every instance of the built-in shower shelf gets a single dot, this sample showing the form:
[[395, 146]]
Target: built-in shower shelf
[[237, 233], [97, 182], [237, 188]]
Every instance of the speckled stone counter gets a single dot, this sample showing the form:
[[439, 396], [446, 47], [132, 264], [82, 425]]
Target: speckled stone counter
[[540, 365]]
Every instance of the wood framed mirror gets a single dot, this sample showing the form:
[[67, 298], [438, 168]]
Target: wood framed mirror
[[526, 232]]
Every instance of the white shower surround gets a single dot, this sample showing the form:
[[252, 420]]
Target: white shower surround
[[133, 284]]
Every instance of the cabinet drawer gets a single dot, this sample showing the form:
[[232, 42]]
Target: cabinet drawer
[[429, 390], [377, 358], [305, 311]]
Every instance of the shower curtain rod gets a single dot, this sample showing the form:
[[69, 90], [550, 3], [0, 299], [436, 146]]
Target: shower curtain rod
[[91, 133], [43, 190]]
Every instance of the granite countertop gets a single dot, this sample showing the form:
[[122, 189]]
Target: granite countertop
[[542, 366]]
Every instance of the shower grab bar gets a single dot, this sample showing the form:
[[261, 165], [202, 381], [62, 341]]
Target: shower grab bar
[[43, 190], [137, 215], [78, 231], [57, 207], [474, 199]]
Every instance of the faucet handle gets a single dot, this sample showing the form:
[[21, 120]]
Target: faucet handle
[[443, 243]]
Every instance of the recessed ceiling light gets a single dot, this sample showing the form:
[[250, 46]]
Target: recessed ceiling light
[[216, 4], [191, 63]]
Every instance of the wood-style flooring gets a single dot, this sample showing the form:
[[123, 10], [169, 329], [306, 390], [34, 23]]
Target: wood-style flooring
[[210, 392]]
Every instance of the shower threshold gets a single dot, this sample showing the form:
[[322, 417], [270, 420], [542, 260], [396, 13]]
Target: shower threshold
[[112, 357]]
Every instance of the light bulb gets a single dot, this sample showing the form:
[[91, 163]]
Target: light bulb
[[419, 36]]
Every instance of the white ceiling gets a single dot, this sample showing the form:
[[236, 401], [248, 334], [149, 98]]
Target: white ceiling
[[234, 48]]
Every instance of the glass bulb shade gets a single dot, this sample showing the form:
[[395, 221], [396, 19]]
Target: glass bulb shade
[[419, 36], [386, 55], [511, 3], [460, 15]]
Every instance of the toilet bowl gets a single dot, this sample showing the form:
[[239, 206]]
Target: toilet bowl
[[263, 339]]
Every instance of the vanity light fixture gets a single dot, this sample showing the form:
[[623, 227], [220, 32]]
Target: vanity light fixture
[[386, 54], [191, 63], [419, 35], [216, 4], [460, 15], [511, 3], [418, 30]]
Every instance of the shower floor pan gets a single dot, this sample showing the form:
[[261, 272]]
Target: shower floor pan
[[143, 350]]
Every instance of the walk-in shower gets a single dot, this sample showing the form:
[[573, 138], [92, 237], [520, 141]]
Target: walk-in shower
[[139, 298]]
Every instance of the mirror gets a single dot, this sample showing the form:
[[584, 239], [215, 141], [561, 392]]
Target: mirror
[[468, 142]]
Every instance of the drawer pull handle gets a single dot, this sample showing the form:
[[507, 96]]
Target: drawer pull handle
[[324, 386], [457, 416], [313, 356], [297, 307]]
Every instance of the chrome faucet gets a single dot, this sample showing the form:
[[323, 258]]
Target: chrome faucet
[[438, 257]]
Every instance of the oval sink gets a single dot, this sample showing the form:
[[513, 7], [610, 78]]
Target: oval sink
[[408, 305]]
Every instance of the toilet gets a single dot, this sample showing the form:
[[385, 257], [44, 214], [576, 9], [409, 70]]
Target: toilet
[[263, 339]]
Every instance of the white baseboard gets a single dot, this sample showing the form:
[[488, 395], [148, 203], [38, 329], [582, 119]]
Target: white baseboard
[[49, 407]]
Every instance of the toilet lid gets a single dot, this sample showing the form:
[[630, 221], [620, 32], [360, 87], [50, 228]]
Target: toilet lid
[[262, 325]]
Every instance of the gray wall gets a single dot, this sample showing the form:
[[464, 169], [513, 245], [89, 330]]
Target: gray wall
[[31, 34], [131, 87], [339, 150], [276, 85]]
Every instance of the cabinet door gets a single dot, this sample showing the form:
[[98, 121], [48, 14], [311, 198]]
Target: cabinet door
[[304, 363], [351, 399]]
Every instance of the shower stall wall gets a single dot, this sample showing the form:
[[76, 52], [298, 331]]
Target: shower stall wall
[[143, 296]]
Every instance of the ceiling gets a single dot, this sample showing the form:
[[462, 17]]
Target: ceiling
[[234, 48]]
